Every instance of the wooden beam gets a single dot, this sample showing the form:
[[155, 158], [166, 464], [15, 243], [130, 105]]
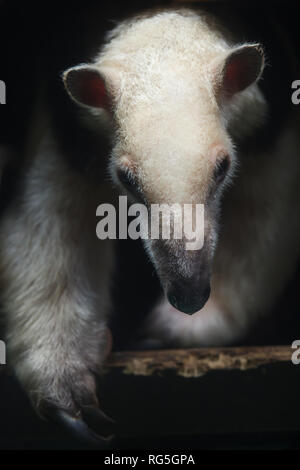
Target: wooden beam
[[196, 362]]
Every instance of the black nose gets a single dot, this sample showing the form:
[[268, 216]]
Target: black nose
[[188, 299]]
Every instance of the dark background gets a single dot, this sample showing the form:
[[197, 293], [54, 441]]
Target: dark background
[[37, 42]]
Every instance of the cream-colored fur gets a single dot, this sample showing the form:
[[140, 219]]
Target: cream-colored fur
[[162, 71]]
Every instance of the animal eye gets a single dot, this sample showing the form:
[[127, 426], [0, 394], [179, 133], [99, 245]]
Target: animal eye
[[129, 183], [125, 178], [221, 169]]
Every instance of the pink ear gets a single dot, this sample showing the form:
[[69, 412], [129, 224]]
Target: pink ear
[[242, 68], [87, 86]]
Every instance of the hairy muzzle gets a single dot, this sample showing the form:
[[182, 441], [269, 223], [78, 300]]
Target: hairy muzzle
[[184, 275]]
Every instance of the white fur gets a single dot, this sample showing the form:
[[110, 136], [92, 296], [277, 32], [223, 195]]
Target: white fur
[[162, 70]]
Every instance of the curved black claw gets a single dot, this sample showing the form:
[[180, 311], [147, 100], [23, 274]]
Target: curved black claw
[[98, 421], [90, 424]]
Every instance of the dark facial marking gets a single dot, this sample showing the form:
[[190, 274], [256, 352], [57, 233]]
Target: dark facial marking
[[221, 169], [129, 183]]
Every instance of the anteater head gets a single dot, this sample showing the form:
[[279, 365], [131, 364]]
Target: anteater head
[[176, 93]]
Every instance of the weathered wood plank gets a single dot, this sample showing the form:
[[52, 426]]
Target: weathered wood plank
[[198, 361]]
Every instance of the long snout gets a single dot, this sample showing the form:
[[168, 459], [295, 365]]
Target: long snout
[[185, 273]]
